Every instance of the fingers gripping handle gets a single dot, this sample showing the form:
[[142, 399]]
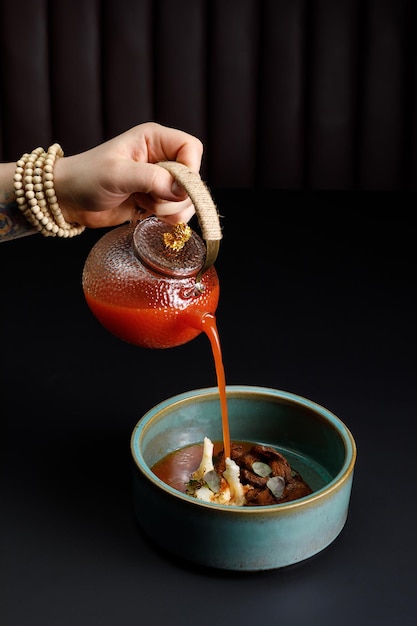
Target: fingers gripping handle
[[205, 208]]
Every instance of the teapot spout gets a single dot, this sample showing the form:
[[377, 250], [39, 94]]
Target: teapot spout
[[198, 319]]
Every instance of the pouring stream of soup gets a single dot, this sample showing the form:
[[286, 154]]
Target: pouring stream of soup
[[209, 325]]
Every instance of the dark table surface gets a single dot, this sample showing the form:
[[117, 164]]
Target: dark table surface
[[317, 298]]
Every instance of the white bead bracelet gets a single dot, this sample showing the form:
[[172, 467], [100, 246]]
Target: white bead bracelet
[[35, 193]]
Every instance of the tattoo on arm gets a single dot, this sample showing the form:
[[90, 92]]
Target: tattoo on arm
[[12, 223]]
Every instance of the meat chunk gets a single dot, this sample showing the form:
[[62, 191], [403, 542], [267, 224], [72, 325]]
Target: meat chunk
[[260, 494]]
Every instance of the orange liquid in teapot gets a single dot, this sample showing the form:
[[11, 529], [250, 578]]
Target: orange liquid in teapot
[[158, 324]]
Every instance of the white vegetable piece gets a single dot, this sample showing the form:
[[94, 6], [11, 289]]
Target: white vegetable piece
[[206, 464], [204, 493], [221, 497], [232, 476]]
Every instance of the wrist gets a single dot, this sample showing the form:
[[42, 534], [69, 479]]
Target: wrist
[[62, 181]]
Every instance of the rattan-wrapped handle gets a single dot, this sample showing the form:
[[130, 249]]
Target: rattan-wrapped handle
[[206, 211]]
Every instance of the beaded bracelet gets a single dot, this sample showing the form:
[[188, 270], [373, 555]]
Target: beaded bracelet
[[35, 193]]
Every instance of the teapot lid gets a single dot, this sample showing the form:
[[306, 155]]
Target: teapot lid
[[173, 250]]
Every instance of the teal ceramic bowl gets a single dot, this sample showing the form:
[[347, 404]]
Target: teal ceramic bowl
[[316, 443]]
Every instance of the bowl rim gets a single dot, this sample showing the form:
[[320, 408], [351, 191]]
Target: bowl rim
[[345, 473]]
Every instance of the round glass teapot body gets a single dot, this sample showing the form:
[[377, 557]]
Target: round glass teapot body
[[144, 293]]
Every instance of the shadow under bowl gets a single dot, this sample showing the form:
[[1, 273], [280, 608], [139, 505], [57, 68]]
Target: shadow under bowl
[[247, 538]]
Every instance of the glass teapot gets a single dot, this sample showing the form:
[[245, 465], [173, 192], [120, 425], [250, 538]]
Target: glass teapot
[[150, 283]]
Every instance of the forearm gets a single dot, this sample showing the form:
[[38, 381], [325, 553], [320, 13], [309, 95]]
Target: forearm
[[12, 223]]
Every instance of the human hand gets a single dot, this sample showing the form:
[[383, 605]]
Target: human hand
[[107, 185]]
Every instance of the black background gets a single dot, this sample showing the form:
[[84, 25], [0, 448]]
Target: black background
[[317, 298]]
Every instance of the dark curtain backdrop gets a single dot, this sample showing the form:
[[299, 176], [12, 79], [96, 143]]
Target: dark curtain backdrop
[[286, 94]]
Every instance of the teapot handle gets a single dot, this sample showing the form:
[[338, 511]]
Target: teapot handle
[[205, 208]]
